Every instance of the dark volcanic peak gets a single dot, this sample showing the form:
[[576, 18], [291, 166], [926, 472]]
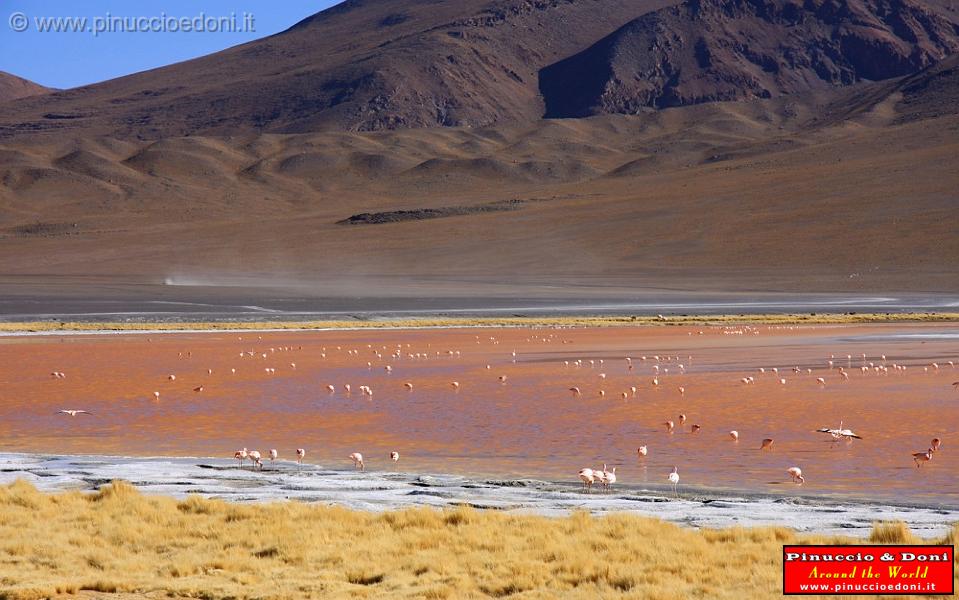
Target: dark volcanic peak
[[363, 65], [715, 50]]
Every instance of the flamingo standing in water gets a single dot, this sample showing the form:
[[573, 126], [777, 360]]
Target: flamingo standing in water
[[273, 455], [642, 451], [240, 456], [357, 459], [300, 455], [767, 444], [609, 477], [673, 478], [795, 473], [588, 478], [936, 444], [922, 457], [394, 456], [734, 435], [255, 458], [670, 426], [600, 476]]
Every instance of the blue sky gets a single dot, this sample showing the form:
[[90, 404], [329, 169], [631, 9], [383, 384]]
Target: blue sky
[[69, 59]]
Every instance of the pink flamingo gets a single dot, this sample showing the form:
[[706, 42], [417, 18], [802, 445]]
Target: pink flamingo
[[273, 455], [357, 459], [588, 478], [241, 455], [300, 455], [795, 473]]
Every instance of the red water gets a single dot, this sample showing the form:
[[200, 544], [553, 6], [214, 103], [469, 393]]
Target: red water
[[532, 426]]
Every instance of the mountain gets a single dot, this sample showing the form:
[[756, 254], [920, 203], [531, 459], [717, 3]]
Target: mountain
[[721, 50], [362, 65], [398, 147], [13, 87]]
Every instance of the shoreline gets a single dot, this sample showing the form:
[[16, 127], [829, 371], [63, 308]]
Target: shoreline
[[696, 507], [613, 320]]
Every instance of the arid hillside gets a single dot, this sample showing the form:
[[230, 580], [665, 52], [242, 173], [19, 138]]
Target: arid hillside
[[13, 87], [440, 176]]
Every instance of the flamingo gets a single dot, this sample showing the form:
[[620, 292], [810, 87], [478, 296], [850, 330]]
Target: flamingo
[[255, 459], [642, 451], [935, 444], [795, 473], [357, 459], [575, 391], [73, 412], [682, 419], [673, 478], [669, 426], [820, 381], [609, 477], [455, 384], [198, 388], [588, 478], [601, 478], [839, 433], [922, 457], [694, 429], [394, 456], [300, 455], [171, 377], [240, 456], [273, 455], [734, 435], [408, 386], [156, 395], [767, 444], [331, 388]]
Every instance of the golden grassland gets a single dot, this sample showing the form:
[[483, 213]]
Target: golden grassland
[[120, 541], [559, 321]]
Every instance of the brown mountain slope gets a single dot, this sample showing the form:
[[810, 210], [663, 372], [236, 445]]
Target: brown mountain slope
[[13, 87], [715, 50], [362, 65], [851, 190]]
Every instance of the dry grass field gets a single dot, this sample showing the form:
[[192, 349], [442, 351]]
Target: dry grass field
[[120, 541]]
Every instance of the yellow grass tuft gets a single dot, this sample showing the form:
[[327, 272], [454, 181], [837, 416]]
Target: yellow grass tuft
[[895, 532], [118, 541]]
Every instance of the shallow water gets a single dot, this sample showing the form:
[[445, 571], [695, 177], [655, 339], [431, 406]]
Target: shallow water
[[531, 427], [382, 490]]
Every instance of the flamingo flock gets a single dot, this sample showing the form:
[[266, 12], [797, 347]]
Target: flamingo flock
[[667, 367]]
